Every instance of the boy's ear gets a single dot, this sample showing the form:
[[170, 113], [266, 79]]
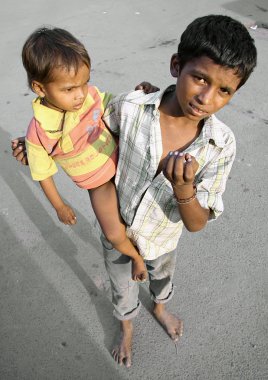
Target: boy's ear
[[38, 88], [175, 65]]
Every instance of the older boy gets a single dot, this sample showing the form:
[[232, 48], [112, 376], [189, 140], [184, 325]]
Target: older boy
[[159, 184]]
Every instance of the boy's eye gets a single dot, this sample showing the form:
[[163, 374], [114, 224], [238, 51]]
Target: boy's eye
[[200, 79], [224, 91]]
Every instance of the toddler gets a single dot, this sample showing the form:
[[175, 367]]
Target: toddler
[[67, 129]]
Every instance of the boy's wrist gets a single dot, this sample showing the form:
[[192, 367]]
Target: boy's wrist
[[59, 206], [184, 191], [137, 257], [183, 201]]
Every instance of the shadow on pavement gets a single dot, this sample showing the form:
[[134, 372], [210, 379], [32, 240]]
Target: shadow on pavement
[[58, 241], [39, 337]]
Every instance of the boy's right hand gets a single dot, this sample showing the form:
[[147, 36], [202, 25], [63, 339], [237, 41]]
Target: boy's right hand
[[19, 150], [146, 87], [180, 169], [66, 214], [139, 271]]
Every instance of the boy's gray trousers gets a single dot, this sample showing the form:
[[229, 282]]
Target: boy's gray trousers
[[125, 291]]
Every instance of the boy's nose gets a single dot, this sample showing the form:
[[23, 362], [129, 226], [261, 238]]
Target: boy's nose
[[206, 96]]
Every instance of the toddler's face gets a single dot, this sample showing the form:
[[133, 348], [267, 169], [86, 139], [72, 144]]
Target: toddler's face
[[68, 90]]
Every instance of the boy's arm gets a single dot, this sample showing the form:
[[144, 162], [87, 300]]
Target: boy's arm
[[207, 204], [146, 87], [180, 170], [65, 213], [193, 215]]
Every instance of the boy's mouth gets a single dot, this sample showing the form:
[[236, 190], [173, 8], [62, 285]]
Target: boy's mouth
[[196, 110]]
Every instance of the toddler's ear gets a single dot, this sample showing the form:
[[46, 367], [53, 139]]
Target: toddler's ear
[[37, 87], [174, 65]]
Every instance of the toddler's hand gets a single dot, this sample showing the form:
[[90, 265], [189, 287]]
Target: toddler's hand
[[66, 215], [139, 271]]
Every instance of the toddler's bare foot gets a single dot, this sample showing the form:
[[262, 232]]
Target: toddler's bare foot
[[172, 324], [122, 352]]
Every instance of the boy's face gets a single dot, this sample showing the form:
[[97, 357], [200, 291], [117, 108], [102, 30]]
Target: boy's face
[[67, 91], [203, 87]]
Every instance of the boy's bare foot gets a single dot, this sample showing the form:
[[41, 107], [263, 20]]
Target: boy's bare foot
[[172, 324], [122, 352]]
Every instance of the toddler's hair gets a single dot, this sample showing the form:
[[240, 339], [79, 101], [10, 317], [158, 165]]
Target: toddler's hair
[[49, 48], [225, 40]]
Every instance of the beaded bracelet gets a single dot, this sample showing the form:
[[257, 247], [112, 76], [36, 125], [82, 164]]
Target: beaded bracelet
[[186, 200]]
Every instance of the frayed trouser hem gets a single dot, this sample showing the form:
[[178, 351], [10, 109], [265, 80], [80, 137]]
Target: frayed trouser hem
[[165, 300], [132, 314]]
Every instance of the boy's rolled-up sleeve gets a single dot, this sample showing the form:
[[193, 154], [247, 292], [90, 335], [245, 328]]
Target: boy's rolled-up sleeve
[[110, 107], [111, 115], [211, 186]]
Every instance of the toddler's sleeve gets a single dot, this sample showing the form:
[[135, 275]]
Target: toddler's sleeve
[[106, 98], [41, 164]]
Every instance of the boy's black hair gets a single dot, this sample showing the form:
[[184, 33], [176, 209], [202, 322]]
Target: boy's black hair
[[49, 48], [225, 40]]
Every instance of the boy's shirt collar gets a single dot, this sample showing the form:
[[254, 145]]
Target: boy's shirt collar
[[212, 128]]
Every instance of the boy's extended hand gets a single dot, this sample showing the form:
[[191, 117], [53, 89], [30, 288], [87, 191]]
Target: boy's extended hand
[[180, 170], [66, 215], [19, 150], [139, 271], [147, 87]]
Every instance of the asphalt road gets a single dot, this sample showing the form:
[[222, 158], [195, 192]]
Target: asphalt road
[[55, 313]]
